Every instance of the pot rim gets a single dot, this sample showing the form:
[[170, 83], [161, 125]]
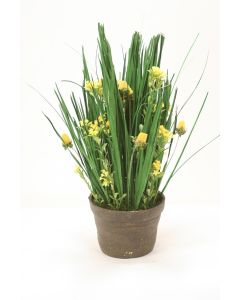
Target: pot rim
[[161, 203]]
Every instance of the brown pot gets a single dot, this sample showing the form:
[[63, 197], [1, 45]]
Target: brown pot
[[127, 234]]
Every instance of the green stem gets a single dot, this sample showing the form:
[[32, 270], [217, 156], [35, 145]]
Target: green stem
[[129, 176], [196, 152]]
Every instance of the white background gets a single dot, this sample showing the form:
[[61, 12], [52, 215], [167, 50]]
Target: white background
[[60, 259]]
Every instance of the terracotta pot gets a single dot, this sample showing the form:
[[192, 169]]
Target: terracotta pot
[[127, 234]]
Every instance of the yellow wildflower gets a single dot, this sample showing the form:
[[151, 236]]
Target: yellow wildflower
[[141, 139], [89, 86], [164, 133], [157, 73], [98, 87], [84, 122], [105, 178], [124, 88], [67, 142], [97, 84], [104, 173], [156, 77], [156, 165], [106, 127], [94, 129], [181, 128], [100, 119]]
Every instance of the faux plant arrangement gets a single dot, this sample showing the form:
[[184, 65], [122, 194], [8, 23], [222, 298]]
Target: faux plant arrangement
[[122, 136]]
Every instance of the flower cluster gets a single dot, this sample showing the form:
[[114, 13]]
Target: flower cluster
[[94, 87], [105, 178], [93, 128], [156, 165], [164, 134], [156, 77]]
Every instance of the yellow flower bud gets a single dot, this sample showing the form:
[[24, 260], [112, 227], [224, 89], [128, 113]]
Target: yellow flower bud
[[124, 87], [181, 128], [141, 139], [67, 142], [164, 133], [157, 73], [98, 87], [156, 165], [84, 122], [100, 119], [107, 127], [94, 129], [97, 84], [89, 86], [105, 178]]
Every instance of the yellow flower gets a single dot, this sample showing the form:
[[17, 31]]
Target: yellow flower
[[164, 133], [108, 124], [141, 139], [157, 73], [181, 128], [124, 87], [98, 87], [105, 178], [89, 86], [106, 127], [67, 142], [94, 129], [156, 165], [84, 122], [104, 173], [100, 119], [97, 84]]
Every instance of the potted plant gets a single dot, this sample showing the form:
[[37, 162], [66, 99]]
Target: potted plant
[[121, 136]]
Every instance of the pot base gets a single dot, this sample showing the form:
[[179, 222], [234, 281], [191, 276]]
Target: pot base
[[140, 248]]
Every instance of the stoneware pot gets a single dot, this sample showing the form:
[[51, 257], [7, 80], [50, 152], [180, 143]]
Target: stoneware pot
[[127, 234]]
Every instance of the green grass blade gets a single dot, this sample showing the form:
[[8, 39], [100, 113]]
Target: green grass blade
[[186, 143], [196, 152]]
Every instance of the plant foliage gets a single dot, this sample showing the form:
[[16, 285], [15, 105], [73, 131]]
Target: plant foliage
[[122, 130]]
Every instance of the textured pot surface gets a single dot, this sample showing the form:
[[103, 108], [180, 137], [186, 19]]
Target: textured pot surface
[[127, 234]]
